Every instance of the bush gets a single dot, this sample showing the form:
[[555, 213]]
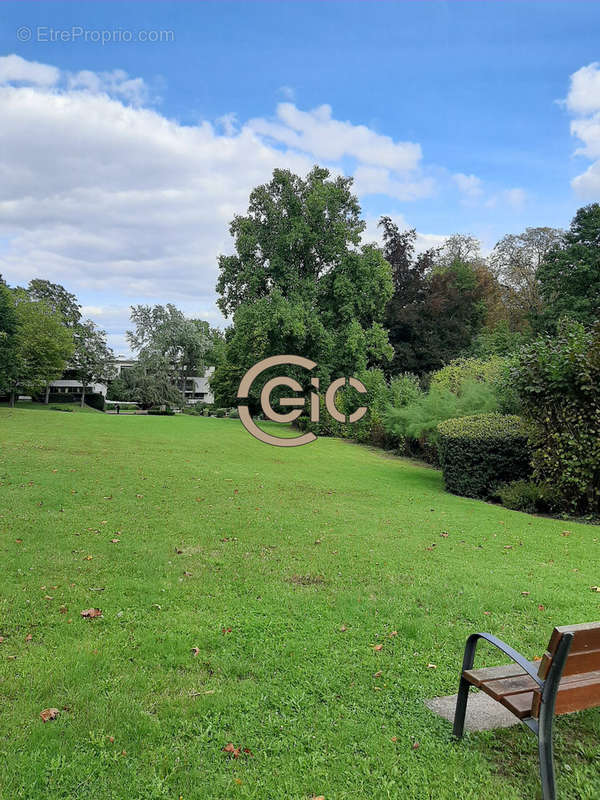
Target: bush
[[157, 412], [95, 400], [370, 429], [526, 496], [234, 414], [480, 452], [220, 412], [420, 419], [493, 372], [558, 380]]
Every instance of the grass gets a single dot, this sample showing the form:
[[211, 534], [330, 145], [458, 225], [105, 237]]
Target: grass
[[312, 556]]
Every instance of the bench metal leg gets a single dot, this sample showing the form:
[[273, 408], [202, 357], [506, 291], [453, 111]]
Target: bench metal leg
[[546, 759], [461, 708]]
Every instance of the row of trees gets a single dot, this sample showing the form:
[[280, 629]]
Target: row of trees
[[42, 334], [300, 281]]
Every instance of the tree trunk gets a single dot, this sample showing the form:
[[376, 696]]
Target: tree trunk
[[47, 397], [82, 395], [12, 398]]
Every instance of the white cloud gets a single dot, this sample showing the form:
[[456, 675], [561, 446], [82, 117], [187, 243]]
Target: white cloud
[[584, 91], [469, 185], [583, 101], [378, 180], [14, 69], [116, 84], [317, 133]]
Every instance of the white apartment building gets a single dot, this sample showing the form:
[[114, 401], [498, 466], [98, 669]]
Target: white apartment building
[[197, 389]]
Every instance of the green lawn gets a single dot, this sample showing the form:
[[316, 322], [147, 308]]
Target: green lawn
[[311, 556]]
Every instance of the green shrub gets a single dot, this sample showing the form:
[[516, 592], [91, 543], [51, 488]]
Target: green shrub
[[480, 452], [95, 400], [558, 380], [157, 412], [526, 496], [420, 419], [493, 371], [234, 413], [220, 412]]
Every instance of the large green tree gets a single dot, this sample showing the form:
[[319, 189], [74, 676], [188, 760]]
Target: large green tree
[[516, 259], [8, 338], [569, 274], [300, 281], [439, 300], [168, 343], [43, 345], [57, 298], [92, 359]]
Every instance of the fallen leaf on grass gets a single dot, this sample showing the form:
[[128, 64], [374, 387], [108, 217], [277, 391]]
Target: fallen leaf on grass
[[394, 633], [378, 647], [1, 639], [343, 628], [394, 738], [431, 666], [90, 613], [415, 746], [178, 551], [226, 630], [115, 541], [595, 588], [525, 594], [49, 713], [233, 751], [28, 638], [195, 651], [445, 534], [378, 674], [541, 608]]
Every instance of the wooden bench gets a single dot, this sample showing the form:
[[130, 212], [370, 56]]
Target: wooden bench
[[566, 679]]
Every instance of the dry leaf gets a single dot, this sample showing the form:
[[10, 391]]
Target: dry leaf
[[378, 647], [595, 588], [91, 613], [394, 633], [49, 713], [195, 651], [115, 541], [232, 750], [394, 738], [431, 666], [378, 674], [111, 739], [541, 608], [343, 628], [29, 637], [63, 610], [226, 630], [1, 639], [525, 594], [415, 746], [445, 534]]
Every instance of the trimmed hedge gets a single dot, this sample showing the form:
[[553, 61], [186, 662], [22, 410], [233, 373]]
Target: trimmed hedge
[[95, 400], [480, 452], [156, 412]]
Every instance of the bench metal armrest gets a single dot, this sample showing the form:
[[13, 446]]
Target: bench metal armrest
[[515, 656]]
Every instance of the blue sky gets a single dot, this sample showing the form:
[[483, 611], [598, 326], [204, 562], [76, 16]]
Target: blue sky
[[125, 161]]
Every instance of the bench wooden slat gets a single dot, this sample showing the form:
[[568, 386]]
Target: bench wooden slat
[[519, 704], [586, 636], [584, 661], [575, 693], [478, 676], [506, 686]]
